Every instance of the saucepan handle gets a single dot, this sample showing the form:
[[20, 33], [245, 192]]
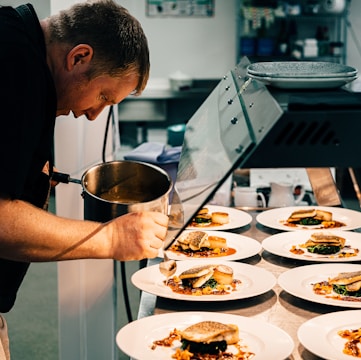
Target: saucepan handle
[[64, 178]]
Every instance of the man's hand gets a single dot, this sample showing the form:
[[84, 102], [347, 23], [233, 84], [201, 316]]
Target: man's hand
[[136, 236]]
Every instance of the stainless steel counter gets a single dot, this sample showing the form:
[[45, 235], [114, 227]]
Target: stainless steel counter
[[276, 306]]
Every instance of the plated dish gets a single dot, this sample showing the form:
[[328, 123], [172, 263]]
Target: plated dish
[[288, 244], [276, 218], [300, 280], [242, 247], [253, 281], [265, 340], [320, 334], [301, 69], [237, 219], [304, 83]]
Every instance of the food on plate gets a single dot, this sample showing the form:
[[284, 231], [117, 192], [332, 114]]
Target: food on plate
[[223, 274], [206, 340], [206, 218], [217, 242], [220, 218], [194, 240], [203, 217], [353, 345], [200, 244], [208, 279], [309, 216], [344, 286], [348, 283], [312, 217], [209, 337], [322, 243], [197, 276]]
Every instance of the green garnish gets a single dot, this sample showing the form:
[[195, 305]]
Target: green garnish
[[310, 221], [324, 249], [341, 289]]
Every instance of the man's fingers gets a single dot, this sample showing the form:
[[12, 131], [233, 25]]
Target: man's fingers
[[157, 243], [159, 218]]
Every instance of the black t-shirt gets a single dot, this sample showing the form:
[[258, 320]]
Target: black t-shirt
[[27, 120]]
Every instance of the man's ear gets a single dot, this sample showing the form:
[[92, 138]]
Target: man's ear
[[80, 54]]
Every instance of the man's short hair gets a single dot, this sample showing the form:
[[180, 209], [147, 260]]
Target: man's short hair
[[117, 38]]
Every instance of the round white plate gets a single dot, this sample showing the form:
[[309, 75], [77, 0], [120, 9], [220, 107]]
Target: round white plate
[[280, 244], [273, 218], [255, 281], [320, 334], [301, 69], [237, 218], [304, 83], [265, 340], [298, 282], [245, 247]]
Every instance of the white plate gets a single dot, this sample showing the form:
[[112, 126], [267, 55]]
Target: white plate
[[265, 340], [237, 218], [319, 335], [298, 282], [301, 69], [280, 244], [245, 247], [273, 218], [304, 83], [255, 281]]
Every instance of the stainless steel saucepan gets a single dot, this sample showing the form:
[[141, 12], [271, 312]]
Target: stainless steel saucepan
[[114, 188]]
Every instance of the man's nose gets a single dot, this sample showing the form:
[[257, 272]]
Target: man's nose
[[94, 112]]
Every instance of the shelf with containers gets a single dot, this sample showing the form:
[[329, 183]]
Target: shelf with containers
[[307, 30]]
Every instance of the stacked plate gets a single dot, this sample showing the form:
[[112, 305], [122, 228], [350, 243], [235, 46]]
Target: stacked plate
[[302, 74]]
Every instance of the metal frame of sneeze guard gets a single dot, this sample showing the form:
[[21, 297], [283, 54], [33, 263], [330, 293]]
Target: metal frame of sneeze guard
[[219, 137]]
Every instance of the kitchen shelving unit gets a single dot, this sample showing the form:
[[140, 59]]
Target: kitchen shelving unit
[[264, 25]]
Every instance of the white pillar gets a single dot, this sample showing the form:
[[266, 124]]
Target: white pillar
[[85, 287]]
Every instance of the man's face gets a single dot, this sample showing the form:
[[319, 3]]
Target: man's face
[[89, 98]]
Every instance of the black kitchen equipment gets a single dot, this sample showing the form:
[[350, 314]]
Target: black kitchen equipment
[[245, 124]]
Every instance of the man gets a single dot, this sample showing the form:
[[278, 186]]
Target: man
[[81, 60]]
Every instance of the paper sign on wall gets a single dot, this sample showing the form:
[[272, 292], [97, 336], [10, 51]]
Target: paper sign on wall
[[180, 8]]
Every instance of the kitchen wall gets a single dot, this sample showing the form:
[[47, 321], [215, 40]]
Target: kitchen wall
[[203, 48], [200, 47], [42, 7]]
